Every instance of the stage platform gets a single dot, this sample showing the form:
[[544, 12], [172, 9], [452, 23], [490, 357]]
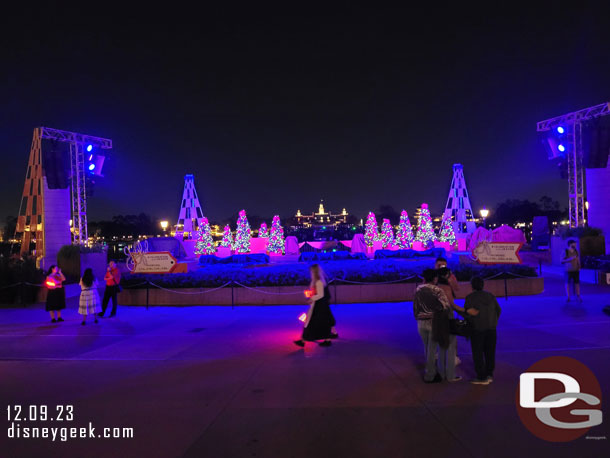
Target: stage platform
[[222, 382]]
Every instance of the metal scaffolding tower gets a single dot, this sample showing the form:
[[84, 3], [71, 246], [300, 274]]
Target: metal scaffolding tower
[[576, 172], [31, 219]]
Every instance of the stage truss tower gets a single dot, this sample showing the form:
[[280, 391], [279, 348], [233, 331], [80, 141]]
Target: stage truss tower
[[458, 203], [190, 218], [573, 122]]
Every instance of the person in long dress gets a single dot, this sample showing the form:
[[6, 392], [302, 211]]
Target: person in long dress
[[56, 295], [320, 322], [89, 302]]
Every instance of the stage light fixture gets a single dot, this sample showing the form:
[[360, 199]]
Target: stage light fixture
[[89, 148], [91, 167], [560, 129], [561, 148]]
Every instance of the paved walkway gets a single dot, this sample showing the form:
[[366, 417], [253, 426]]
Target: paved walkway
[[222, 382]]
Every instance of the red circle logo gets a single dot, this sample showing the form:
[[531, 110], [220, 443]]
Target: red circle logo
[[559, 399]]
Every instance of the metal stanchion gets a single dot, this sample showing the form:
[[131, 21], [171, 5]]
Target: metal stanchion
[[147, 288]]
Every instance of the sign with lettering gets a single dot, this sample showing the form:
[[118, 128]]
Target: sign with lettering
[[497, 252], [156, 262]]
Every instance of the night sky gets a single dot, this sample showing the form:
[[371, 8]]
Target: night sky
[[273, 110]]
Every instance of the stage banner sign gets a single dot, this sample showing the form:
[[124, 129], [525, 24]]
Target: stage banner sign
[[497, 252], [156, 262]]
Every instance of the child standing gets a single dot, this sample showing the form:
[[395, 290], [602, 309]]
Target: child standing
[[89, 302]]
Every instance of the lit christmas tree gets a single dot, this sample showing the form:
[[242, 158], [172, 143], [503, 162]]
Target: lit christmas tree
[[276, 240], [425, 231], [227, 237], [205, 243], [387, 234], [404, 234], [371, 231], [263, 232], [447, 234], [242, 234]]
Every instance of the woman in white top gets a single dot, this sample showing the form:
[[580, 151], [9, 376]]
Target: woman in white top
[[320, 320]]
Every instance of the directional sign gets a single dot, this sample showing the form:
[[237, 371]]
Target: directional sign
[[156, 262], [497, 252]]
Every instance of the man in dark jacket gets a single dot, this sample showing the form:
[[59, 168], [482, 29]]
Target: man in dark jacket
[[483, 313]]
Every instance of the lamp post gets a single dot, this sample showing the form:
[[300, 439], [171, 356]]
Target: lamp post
[[484, 213], [164, 227]]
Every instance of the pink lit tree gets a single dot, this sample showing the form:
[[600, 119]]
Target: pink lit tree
[[242, 234], [404, 234], [263, 232], [227, 237], [371, 230], [205, 243], [447, 234], [387, 233], [276, 240], [425, 231]]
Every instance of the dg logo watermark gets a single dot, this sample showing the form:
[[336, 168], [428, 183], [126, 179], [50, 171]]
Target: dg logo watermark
[[559, 399]]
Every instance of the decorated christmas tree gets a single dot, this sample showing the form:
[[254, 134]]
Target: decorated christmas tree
[[425, 231], [276, 240], [387, 233], [371, 231], [263, 231], [242, 234], [447, 234], [205, 243], [404, 233], [227, 237]]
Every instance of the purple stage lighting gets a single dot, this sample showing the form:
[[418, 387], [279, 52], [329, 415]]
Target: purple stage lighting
[[89, 148], [91, 166], [560, 130], [561, 148]]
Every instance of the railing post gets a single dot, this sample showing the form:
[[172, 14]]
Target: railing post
[[232, 297], [147, 288], [505, 287]]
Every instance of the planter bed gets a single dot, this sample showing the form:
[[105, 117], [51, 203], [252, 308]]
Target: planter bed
[[283, 295]]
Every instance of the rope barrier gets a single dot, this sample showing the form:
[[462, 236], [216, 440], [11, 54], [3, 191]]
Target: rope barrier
[[375, 283], [268, 292], [189, 293]]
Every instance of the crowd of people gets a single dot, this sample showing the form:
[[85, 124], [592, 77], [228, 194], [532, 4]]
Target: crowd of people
[[435, 310], [89, 301]]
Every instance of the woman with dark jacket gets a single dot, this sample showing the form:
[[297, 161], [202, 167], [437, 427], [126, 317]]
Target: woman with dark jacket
[[320, 320], [56, 295]]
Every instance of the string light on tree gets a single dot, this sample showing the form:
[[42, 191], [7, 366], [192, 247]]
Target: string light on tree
[[205, 243], [371, 230], [242, 234], [276, 240], [387, 233], [263, 232], [404, 234], [425, 231], [227, 237], [447, 234]]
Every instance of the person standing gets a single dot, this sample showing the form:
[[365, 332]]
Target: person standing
[[571, 261], [56, 294], [445, 280], [430, 300], [113, 279], [89, 301], [483, 313], [320, 321]]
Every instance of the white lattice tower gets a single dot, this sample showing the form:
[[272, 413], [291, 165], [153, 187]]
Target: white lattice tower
[[458, 203], [190, 218]]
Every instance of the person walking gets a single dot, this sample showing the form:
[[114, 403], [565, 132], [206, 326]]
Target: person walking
[[89, 301], [429, 301], [320, 321], [483, 313], [571, 261], [113, 279], [56, 294]]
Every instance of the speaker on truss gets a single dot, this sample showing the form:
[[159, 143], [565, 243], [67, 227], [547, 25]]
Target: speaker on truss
[[596, 143]]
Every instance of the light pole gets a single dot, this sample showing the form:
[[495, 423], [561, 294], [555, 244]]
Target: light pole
[[164, 227], [484, 213]]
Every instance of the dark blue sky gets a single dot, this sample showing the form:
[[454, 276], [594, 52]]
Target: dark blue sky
[[272, 111]]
